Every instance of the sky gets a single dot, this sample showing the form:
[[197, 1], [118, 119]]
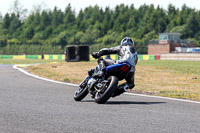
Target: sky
[[5, 5]]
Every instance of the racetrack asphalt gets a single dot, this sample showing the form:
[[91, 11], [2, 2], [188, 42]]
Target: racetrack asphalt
[[30, 105]]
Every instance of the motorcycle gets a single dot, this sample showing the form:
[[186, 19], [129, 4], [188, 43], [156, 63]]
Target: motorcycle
[[102, 87]]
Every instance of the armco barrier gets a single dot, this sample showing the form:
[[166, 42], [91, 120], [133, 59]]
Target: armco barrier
[[6, 57], [51, 57], [54, 57], [33, 56], [114, 57], [151, 57], [46, 57], [19, 56], [62, 57], [140, 57], [145, 57], [157, 57]]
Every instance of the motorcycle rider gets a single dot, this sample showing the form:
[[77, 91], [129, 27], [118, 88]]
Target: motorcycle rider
[[126, 52]]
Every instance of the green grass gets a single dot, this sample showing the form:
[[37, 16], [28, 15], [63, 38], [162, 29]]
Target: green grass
[[26, 61], [183, 67]]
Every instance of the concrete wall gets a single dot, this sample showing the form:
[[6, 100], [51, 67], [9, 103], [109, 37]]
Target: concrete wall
[[181, 56], [158, 48], [165, 47], [174, 45]]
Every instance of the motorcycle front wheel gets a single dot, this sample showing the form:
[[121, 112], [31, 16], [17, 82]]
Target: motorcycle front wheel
[[82, 90], [108, 89]]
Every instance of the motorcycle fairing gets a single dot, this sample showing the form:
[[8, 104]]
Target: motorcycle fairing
[[119, 70]]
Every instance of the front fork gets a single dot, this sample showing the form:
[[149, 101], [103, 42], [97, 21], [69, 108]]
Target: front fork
[[84, 82], [100, 66]]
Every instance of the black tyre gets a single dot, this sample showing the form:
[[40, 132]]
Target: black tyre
[[82, 91], [103, 96]]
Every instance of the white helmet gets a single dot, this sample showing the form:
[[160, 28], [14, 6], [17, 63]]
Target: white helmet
[[127, 41]]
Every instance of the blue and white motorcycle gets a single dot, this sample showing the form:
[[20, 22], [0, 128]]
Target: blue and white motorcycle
[[103, 87]]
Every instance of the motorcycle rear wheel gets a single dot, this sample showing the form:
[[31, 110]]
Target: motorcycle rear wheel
[[103, 96]]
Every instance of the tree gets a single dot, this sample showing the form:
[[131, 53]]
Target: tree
[[89, 36], [18, 10], [1, 17], [79, 20], [69, 17], [192, 25], [57, 18], [6, 21], [45, 20], [38, 8], [15, 23]]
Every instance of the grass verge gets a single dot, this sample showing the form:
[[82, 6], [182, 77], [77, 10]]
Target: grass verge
[[177, 79]]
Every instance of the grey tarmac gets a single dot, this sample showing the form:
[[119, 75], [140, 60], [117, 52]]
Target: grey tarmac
[[30, 105]]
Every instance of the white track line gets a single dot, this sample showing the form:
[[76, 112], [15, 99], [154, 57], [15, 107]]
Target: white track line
[[167, 98], [35, 76], [126, 93]]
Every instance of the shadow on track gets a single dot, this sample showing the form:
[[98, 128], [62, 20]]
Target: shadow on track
[[132, 102], [127, 102]]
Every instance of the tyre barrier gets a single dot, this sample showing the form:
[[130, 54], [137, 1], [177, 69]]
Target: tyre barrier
[[83, 53], [77, 53], [71, 53]]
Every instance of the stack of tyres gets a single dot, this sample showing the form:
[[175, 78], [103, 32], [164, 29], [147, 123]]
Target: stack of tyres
[[83, 53], [77, 53], [71, 53]]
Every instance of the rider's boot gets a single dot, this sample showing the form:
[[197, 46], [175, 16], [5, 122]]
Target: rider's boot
[[118, 92], [92, 94], [121, 89]]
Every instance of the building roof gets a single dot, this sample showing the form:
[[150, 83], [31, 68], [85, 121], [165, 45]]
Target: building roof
[[170, 33]]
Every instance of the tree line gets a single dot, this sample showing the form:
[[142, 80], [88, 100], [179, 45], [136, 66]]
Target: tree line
[[50, 31]]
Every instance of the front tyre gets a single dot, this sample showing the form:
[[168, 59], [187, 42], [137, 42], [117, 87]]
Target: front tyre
[[82, 90], [109, 88]]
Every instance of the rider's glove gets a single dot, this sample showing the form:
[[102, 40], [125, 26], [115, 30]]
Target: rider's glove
[[95, 55]]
